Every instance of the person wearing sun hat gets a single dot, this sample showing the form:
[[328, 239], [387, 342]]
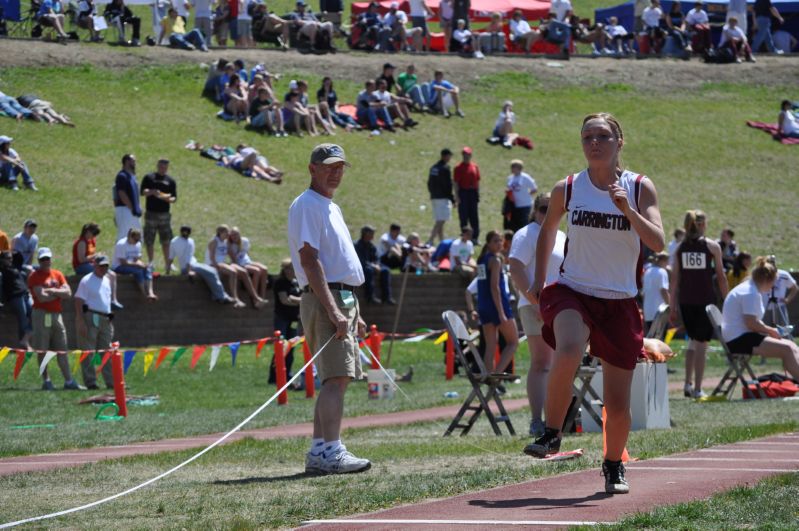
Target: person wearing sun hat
[[328, 272], [12, 166]]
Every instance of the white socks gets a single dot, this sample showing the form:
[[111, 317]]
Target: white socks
[[320, 447], [331, 447], [317, 445]]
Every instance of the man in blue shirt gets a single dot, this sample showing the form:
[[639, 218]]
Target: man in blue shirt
[[127, 211], [440, 88], [26, 242], [51, 14]]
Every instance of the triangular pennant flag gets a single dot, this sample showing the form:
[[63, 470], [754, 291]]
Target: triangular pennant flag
[[76, 365], [84, 355], [670, 335], [97, 359], [258, 348], [148, 360], [3, 353], [106, 357], [45, 360], [22, 358], [162, 356], [178, 353], [196, 354], [214, 356], [127, 360], [442, 338], [234, 350]]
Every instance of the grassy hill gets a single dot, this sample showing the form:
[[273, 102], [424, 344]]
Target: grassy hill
[[694, 144]]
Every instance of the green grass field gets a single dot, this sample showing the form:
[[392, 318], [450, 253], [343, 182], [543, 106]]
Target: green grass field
[[154, 111]]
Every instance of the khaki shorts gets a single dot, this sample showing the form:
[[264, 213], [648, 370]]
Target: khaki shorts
[[341, 357], [52, 337], [531, 324]]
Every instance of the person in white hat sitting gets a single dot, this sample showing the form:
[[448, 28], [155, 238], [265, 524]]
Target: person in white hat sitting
[[11, 166]]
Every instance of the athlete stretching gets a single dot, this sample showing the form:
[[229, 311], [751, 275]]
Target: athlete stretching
[[610, 212]]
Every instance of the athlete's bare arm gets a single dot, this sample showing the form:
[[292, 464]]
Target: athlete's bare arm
[[546, 239], [646, 221]]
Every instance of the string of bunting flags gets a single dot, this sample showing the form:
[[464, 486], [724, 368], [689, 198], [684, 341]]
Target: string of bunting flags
[[155, 357]]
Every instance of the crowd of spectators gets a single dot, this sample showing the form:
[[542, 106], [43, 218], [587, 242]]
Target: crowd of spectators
[[385, 103]]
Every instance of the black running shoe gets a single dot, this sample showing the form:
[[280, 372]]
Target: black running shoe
[[544, 446], [614, 477]]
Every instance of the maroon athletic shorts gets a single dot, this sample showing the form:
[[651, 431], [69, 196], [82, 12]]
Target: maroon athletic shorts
[[616, 330]]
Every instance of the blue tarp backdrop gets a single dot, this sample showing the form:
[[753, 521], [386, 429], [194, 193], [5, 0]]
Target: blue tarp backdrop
[[10, 10], [717, 9]]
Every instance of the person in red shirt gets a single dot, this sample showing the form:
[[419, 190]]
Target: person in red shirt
[[48, 288], [467, 192]]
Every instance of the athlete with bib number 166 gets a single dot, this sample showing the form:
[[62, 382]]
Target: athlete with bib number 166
[[610, 213]]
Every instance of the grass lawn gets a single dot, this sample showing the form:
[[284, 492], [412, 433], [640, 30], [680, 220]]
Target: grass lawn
[[770, 504], [199, 402], [675, 137]]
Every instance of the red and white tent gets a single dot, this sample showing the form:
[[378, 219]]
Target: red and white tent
[[480, 9]]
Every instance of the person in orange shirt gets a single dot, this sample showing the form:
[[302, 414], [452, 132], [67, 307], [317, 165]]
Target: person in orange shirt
[[48, 288], [5, 245]]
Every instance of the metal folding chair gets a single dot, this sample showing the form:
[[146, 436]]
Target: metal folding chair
[[738, 364], [659, 324], [478, 401]]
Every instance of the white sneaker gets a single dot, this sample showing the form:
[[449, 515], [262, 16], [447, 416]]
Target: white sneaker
[[699, 394], [313, 464], [375, 132], [343, 462]]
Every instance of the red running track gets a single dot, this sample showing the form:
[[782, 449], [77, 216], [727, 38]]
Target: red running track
[[579, 497]]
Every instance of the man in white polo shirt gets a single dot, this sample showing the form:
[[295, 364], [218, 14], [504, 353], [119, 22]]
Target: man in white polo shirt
[[93, 320], [328, 271]]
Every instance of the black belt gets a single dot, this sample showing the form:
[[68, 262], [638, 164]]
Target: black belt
[[339, 286], [109, 316]]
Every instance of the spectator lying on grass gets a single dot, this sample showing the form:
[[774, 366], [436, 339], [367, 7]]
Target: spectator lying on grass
[[43, 110], [250, 163], [13, 109]]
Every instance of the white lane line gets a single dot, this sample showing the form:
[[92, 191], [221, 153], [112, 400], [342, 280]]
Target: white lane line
[[746, 451], [710, 469], [361, 521], [767, 443], [40, 463], [733, 459]]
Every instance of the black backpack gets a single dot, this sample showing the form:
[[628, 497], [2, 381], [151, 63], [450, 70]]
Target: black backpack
[[720, 56]]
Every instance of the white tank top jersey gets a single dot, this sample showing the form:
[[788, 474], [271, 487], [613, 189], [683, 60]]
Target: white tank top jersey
[[220, 254], [602, 255]]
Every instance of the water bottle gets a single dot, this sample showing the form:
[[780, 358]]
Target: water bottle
[[451, 394], [418, 270]]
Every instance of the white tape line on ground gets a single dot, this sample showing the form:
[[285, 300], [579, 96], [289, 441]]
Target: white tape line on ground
[[728, 459], [362, 521], [181, 465], [710, 469]]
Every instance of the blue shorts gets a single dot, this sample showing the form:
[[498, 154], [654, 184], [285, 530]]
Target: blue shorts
[[233, 28], [489, 314]]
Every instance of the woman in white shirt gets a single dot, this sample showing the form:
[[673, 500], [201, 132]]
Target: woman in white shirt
[[789, 124], [653, 20], [742, 325], [733, 37], [239, 251], [503, 128], [521, 187], [216, 255]]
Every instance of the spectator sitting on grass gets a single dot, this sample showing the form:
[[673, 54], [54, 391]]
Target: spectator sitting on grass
[[416, 255], [733, 38], [239, 249], [25, 243], [787, 121], [328, 107], [442, 94], [739, 270], [503, 128], [783, 40], [463, 40], [397, 106], [295, 115], [15, 295], [12, 108], [409, 88], [521, 33], [369, 110], [390, 249], [48, 288], [235, 98], [387, 76], [84, 252], [313, 110], [12, 166], [85, 20], [174, 27], [119, 14], [492, 38], [371, 265], [241, 70], [699, 24], [265, 113], [181, 248], [621, 40], [51, 15], [128, 261], [214, 86], [461, 255], [653, 25]]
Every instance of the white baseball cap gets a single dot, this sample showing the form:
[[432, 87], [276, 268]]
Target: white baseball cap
[[45, 252], [5, 139]]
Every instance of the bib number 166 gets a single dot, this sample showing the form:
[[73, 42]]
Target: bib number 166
[[694, 260]]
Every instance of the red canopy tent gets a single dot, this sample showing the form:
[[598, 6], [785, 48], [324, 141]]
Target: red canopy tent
[[480, 10]]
